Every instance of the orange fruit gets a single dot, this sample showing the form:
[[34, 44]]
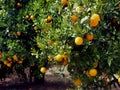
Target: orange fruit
[[78, 40], [89, 36], [46, 0], [94, 20], [15, 57], [18, 5], [9, 59], [93, 72], [5, 62], [0, 56], [77, 82], [49, 42], [119, 79], [26, 17], [18, 33], [74, 18], [58, 58], [32, 17], [43, 70], [65, 60], [20, 61], [8, 64], [49, 19], [64, 2]]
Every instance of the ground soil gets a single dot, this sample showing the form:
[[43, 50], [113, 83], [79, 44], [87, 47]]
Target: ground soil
[[52, 82]]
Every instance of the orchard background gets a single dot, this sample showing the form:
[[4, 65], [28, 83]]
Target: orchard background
[[82, 35]]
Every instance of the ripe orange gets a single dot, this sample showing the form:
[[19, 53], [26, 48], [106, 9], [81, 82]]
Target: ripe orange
[[46, 0], [0, 54], [119, 79], [20, 61], [74, 18], [18, 5], [26, 17], [65, 60], [49, 42], [5, 62], [93, 72], [9, 59], [77, 82], [89, 36], [49, 19], [18, 33], [32, 17], [64, 2], [94, 20], [9, 64], [15, 57], [78, 40], [43, 70], [58, 58]]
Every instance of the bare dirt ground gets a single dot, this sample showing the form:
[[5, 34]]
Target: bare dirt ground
[[52, 82]]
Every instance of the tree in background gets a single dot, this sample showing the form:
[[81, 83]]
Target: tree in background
[[17, 33]]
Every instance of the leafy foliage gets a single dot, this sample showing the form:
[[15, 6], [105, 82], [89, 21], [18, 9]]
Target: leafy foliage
[[48, 29]]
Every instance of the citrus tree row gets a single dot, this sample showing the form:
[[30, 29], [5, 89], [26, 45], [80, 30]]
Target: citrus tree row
[[83, 36]]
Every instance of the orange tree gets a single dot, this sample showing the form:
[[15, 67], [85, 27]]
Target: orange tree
[[84, 36], [18, 49]]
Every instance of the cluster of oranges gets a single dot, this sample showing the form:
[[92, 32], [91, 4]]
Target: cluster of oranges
[[9, 61], [79, 40]]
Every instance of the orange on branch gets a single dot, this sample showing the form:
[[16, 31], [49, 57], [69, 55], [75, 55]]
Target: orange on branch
[[65, 60], [5, 62], [43, 70], [9, 64], [18, 33], [58, 58], [94, 20], [15, 57], [64, 2], [89, 36], [74, 18], [49, 19], [32, 17], [119, 79], [18, 5], [27, 17], [9, 59], [93, 72], [77, 82], [20, 61], [78, 40]]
